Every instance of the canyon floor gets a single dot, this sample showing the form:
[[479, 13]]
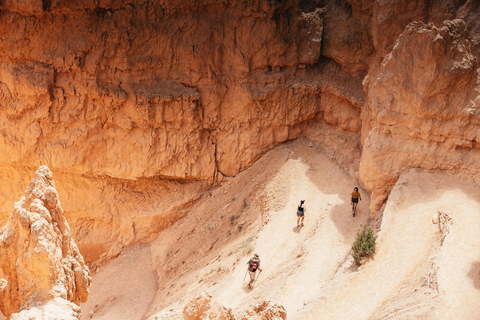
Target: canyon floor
[[423, 268], [418, 270]]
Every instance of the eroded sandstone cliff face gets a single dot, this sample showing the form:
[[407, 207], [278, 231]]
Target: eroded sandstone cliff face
[[43, 273], [168, 97], [150, 88], [107, 92], [422, 108]]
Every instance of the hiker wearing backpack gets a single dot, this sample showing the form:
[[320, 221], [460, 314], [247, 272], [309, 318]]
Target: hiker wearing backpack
[[355, 197], [253, 266], [301, 213]]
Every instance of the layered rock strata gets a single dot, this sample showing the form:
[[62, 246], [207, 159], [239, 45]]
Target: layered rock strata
[[43, 273], [423, 109], [199, 90], [147, 88], [111, 92]]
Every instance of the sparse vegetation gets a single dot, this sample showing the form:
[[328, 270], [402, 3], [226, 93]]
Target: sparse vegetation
[[247, 246], [364, 245], [232, 218], [240, 227]]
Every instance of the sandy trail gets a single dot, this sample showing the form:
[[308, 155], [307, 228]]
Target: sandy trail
[[308, 270], [405, 243], [298, 263], [124, 289]]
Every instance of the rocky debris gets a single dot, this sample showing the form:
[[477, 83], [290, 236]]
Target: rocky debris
[[444, 223], [431, 279], [202, 307], [45, 276], [265, 310], [444, 220], [55, 309]]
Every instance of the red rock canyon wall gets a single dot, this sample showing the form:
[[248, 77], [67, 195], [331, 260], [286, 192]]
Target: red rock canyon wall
[[44, 275], [140, 105]]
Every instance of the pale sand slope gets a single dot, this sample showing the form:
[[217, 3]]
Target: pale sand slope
[[407, 241], [206, 252], [298, 263], [124, 289], [307, 270]]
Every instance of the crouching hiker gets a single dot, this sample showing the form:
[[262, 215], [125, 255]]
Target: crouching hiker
[[253, 266]]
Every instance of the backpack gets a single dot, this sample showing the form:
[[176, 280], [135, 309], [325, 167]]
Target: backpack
[[253, 265], [300, 208]]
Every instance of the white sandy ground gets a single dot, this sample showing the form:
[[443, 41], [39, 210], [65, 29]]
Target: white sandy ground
[[309, 270], [123, 290], [405, 245], [299, 263]]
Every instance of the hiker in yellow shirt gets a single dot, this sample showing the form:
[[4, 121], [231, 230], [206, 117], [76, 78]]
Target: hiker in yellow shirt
[[355, 197]]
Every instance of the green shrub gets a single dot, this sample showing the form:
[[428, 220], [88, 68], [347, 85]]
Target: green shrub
[[364, 245]]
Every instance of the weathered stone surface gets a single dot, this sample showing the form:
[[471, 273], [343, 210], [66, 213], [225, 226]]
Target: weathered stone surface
[[423, 110], [55, 309], [389, 19], [265, 310], [39, 259], [117, 91], [104, 92], [143, 89], [202, 307], [347, 36]]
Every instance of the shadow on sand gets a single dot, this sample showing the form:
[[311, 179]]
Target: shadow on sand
[[474, 274], [297, 229]]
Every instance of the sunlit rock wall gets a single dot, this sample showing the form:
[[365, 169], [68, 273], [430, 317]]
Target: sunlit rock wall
[[172, 96], [40, 264]]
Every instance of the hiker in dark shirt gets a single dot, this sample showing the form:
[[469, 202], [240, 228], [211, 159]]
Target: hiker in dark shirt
[[301, 213], [253, 266]]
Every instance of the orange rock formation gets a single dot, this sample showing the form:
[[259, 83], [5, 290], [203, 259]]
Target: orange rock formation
[[43, 273], [107, 93], [140, 105], [203, 307], [422, 109]]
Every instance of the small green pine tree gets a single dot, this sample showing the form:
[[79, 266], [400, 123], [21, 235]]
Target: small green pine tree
[[364, 245]]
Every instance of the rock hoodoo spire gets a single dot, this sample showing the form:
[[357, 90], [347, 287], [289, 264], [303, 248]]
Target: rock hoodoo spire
[[44, 273]]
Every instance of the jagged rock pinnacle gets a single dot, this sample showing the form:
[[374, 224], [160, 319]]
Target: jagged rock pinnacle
[[40, 261]]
